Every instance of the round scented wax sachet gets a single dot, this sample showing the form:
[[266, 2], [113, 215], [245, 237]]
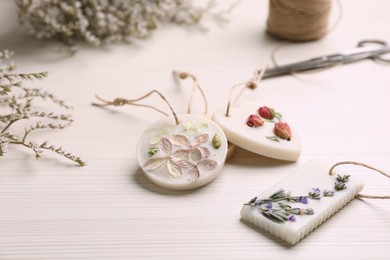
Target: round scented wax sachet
[[253, 129], [182, 156]]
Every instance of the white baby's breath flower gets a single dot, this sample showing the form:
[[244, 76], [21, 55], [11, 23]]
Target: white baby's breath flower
[[101, 21], [18, 103]]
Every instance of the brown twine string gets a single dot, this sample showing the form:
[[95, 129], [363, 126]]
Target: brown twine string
[[283, 43], [367, 166], [196, 85], [252, 84], [298, 20], [123, 101]]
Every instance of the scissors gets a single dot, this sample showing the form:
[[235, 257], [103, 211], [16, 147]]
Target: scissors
[[366, 49]]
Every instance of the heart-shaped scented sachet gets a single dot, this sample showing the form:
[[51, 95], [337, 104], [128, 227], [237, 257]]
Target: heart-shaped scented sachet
[[182, 156], [261, 130]]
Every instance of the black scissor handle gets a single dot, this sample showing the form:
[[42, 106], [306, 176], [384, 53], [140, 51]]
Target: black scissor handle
[[373, 41]]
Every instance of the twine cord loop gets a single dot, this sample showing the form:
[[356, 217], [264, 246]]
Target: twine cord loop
[[195, 86], [366, 166], [252, 85], [132, 102]]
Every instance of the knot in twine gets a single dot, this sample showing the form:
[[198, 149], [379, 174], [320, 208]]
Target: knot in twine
[[119, 102], [298, 20]]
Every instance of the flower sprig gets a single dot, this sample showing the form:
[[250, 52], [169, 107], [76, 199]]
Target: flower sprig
[[281, 129], [341, 181], [275, 209], [96, 22], [17, 106], [180, 156]]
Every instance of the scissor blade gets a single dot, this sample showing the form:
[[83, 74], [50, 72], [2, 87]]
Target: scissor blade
[[306, 65], [344, 57], [364, 52]]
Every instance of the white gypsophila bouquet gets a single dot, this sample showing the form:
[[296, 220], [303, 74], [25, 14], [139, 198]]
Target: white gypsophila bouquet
[[105, 21]]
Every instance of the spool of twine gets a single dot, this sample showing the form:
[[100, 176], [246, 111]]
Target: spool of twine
[[298, 20]]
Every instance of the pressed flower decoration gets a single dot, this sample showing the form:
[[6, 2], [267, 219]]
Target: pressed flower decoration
[[281, 129], [187, 156], [259, 129], [292, 217], [168, 159], [184, 153], [182, 140], [278, 208], [195, 163], [182, 159]]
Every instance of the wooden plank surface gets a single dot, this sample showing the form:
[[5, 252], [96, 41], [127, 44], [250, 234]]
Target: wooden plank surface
[[51, 209]]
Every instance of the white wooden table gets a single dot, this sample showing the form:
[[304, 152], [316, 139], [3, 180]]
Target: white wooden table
[[51, 209]]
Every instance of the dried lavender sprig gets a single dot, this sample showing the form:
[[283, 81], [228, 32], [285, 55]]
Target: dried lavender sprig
[[343, 179], [277, 215], [315, 194], [280, 195], [296, 211], [328, 193], [284, 213], [338, 186]]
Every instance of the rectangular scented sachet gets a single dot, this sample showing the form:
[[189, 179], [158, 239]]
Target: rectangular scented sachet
[[301, 201]]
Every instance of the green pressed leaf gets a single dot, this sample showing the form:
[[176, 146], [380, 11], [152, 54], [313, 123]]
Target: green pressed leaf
[[273, 138], [216, 141], [152, 151], [278, 116]]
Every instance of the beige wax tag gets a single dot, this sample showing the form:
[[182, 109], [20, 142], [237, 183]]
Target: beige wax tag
[[182, 156], [302, 201], [259, 139]]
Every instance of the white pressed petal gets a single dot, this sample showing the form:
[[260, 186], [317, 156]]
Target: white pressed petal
[[154, 163], [200, 139], [174, 169], [181, 154], [185, 164], [165, 146], [193, 175], [207, 165], [205, 151], [195, 155], [180, 140]]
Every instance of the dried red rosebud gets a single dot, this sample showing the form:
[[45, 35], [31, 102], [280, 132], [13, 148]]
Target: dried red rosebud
[[266, 112], [282, 130], [254, 121]]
